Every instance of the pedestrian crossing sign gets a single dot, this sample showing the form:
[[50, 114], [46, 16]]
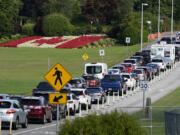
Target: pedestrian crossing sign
[[58, 77]]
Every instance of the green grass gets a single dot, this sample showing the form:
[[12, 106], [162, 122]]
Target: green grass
[[22, 68], [171, 99]]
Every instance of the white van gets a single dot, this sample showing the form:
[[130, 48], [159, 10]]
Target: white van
[[97, 69]]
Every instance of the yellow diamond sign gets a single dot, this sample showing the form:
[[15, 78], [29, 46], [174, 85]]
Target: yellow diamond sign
[[57, 98], [58, 77], [85, 56]]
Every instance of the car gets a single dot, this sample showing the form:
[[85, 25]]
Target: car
[[73, 103], [148, 72], [169, 63], [140, 73], [97, 94], [38, 109], [122, 68], [16, 97], [177, 53], [4, 96], [130, 81], [11, 110], [84, 97], [139, 59], [78, 83], [43, 89], [161, 63], [113, 83], [165, 39], [155, 67], [91, 80], [146, 56], [133, 61], [128, 66], [113, 71], [178, 38]]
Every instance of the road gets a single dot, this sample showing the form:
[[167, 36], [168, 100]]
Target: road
[[159, 87]]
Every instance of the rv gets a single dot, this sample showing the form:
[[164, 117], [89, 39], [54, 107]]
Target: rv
[[97, 69], [164, 50]]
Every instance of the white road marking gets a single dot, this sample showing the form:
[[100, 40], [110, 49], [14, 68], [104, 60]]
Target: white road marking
[[33, 129]]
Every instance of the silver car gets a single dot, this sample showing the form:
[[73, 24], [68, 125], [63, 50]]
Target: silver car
[[10, 110]]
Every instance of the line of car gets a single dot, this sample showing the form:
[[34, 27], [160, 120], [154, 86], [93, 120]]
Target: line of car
[[81, 92]]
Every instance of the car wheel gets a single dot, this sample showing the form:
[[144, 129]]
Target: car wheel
[[77, 111], [50, 119], [74, 111], [25, 124], [15, 125], [43, 121]]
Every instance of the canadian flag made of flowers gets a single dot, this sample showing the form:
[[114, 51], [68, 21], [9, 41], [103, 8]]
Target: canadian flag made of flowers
[[52, 42]]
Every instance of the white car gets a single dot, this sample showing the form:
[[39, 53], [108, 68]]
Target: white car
[[83, 95], [4, 96], [113, 71], [130, 81], [73, 103], [160, 62]]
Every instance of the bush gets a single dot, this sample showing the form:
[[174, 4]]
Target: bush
[[56, 25], [28, 29], [104, 124]]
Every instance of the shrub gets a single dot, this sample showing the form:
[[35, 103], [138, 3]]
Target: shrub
[[104, 124], [56, 25], [28, 29]]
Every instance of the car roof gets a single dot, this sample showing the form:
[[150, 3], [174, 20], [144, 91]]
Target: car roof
[[10, 100], [32, 97], [77, 89], [126, 63]]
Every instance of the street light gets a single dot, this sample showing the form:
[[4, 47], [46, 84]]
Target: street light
[[150, 26], [143, 4], [158, 20], [172, 21]]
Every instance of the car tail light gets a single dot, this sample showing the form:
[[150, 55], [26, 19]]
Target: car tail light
[[103, 74], [100, 84], [83, 95], [162, 63], [70, 102], [10, 111], [120, 85], [130, 79]]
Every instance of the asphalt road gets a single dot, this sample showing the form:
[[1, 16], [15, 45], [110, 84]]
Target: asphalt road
[[159, 87]]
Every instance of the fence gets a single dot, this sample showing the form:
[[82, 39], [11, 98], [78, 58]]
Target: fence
[[153, 119]]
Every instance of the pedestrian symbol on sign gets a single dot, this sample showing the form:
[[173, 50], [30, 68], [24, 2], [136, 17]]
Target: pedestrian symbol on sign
[[58, 75]]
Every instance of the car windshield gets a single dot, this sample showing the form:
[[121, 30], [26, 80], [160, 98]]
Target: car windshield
[[127, 65], [157, 60], [112, 71], [5, 104], [75, 81], [89, 77], [77, 93], [44, 86], [90, 90], [129, 61], [137, 71], [45, 95], [30, 102], [112, 78], [126, 76], [94, 69]]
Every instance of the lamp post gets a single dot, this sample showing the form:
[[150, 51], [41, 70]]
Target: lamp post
[[172, 20], [143, 4], [158, 20]]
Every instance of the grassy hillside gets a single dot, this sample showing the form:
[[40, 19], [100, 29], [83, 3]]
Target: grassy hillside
[[22, 68]]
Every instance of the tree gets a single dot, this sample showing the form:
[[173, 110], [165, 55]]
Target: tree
[[107, 12], [32, 8], [58, 6], [56, 25]]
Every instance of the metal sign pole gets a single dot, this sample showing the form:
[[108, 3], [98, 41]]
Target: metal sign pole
[[57, 122]]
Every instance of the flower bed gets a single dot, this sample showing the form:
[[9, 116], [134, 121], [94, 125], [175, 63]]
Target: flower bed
[[52, 42]]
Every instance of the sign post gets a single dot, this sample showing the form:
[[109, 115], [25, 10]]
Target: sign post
[[128, 40], [101, 53], [144, 86], [57, 77]]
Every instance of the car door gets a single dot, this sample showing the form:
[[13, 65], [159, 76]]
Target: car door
[[19, 112]]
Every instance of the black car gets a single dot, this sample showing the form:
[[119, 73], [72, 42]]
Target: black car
[[43, 89]]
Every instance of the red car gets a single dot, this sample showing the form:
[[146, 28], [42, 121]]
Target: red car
[[38, 109], [91, 80], [128, 66]]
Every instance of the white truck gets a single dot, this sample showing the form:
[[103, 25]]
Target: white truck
[[163, 50], [97, 69]]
